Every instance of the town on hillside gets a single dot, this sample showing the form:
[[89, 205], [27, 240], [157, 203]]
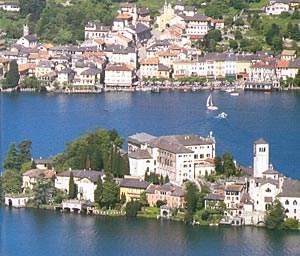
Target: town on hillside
[[175, 177], [180, 48]]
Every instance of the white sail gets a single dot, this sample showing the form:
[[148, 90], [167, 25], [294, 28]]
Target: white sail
[[209, 104], [209, 101]]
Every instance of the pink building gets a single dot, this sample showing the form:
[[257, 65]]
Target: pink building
[[172, 194]]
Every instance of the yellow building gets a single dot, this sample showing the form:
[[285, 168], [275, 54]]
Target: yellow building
[[132, 188], [165, 17]]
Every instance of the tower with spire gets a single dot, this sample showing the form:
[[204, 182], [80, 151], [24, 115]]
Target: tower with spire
[[261, 161]]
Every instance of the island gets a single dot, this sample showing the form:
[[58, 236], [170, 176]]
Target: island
[[175, 177]]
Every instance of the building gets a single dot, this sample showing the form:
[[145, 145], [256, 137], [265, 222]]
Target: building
[[277, 8], [85, 181], [17, 201], [181, 157], [9, 6], [132, 188], [290, 198], [233, 194], [96, 30], [118, 76], [172, 194], [28, 41], [261, 160], [30, 178]]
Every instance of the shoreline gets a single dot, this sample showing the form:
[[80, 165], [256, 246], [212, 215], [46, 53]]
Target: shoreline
[[210, 225]]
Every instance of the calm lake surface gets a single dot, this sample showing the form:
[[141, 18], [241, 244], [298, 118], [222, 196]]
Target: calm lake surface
[[37, 232], [51, 120]]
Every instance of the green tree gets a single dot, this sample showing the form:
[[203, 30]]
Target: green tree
[[291, 223], [42, 192], [11, 161], [167, 180], [219, 165], [12, 77], [98, 191], [228, 165], [275, 216], [143, 199], [123, 199], [1, 191], [296, 81], [32, 7], [132, 208], [11, 182], [72, 187], [111, 191], [238, 35], [233, 44], [25, 151], [99, 149], [191, 199], [160, 203]]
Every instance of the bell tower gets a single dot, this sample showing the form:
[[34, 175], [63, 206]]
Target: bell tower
[[260, 158]]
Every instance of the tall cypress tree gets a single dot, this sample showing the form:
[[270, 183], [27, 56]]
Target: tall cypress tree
[[167, 180], [12, 76], [98, 191], [25, 151], [72, 187], [11, 161]]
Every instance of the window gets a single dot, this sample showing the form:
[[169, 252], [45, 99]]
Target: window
[[295, 202], [268, 190], [287, 202]]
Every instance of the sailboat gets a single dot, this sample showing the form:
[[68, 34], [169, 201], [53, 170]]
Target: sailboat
[[209, 104]]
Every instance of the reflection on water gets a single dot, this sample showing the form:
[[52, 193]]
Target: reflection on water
[[33, 232]]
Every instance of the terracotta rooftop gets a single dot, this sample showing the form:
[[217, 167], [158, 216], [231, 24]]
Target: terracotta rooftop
[[40, 173], [150, 61]]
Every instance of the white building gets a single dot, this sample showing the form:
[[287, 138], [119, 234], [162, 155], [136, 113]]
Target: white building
[[85, 181], [10, 6], [118, 76], [28, 41], [290, 198], [181, 157], [277, 8], [96, 30], [260, 158]]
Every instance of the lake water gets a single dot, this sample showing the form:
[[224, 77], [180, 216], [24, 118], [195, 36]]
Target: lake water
[[43, 233], [51, 120]]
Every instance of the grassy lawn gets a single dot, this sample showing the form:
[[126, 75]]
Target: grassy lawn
[[258, 5], [149, 212]]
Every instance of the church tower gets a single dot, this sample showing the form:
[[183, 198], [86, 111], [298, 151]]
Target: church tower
[[25, 30], [260, 158]]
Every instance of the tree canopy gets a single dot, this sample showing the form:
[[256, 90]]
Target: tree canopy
[[95, 150], [12, 77]]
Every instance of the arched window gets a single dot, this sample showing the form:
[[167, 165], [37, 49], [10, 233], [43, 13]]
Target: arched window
[[268, 190], [287, 211], [295, 202], [287, 202]]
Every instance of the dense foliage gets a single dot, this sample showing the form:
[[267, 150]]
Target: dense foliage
[[65, 24], [72, 187], [17, 160], [110, 193], [191, 199], [95, 150], [132, 208], [275, 216], [12, 77], [226, 166]]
